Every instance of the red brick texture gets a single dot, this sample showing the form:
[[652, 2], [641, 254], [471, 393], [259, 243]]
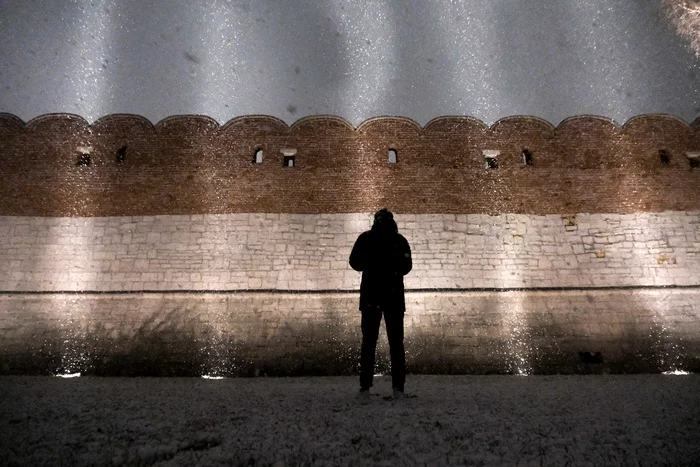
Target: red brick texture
[[192, 165]]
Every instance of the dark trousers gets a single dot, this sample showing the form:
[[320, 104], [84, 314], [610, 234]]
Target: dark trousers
[[370, 333]]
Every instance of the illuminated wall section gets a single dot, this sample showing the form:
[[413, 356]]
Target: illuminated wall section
[[185, 256]]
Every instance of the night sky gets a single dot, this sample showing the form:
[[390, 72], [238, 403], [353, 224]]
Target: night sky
[[356, 59]]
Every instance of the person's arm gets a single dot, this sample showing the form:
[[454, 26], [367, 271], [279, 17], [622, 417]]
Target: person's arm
[[404, 260], [359, 254]]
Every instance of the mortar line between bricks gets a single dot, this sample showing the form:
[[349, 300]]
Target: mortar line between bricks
[[341, 291]]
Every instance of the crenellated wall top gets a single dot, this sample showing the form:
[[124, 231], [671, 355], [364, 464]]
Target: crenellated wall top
[[459, 124], [122, 164]]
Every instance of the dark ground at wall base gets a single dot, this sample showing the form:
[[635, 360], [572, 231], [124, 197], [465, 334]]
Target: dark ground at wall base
[[194, 363], [319, 335]]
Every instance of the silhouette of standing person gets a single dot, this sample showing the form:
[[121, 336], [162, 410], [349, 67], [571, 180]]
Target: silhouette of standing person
[[383, 256]]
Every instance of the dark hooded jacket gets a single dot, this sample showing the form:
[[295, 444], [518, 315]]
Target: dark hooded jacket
[[384, 257]]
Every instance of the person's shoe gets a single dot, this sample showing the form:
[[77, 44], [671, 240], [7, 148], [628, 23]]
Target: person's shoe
[[363, 396], [398, 394]]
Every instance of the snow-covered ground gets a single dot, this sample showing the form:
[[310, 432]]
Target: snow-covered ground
[[449, 420]]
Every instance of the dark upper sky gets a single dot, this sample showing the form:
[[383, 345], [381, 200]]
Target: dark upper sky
[[356, 59]]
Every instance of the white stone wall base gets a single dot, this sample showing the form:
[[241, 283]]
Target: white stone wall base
[[310, 252]]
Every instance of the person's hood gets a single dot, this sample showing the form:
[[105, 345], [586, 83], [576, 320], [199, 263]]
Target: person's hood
[[384, 223]]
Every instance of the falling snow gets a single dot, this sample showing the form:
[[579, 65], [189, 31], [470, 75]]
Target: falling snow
[[354, 59]]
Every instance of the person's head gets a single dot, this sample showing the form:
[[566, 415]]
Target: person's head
[[384, 221]]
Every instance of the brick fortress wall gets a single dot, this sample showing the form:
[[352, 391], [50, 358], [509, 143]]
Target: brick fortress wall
[[191, 165], [214, 263]]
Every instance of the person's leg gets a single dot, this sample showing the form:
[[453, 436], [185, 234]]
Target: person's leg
[[370, 334], [394, 332]]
